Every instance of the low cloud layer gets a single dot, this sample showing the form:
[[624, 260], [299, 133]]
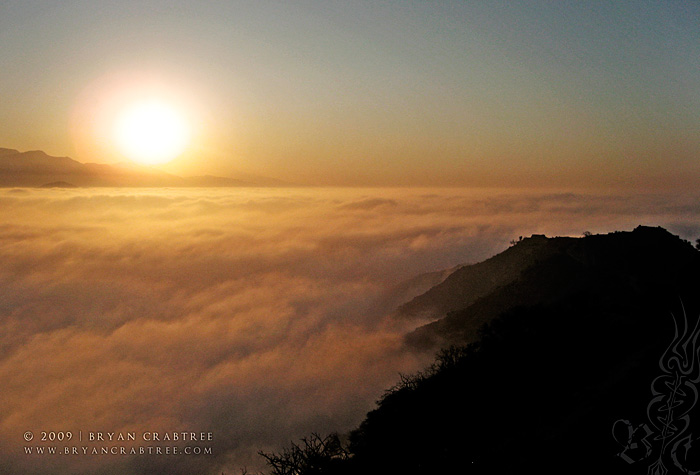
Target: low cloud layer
[[259, 315]]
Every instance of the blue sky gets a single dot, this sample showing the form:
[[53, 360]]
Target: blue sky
[[454, 93]]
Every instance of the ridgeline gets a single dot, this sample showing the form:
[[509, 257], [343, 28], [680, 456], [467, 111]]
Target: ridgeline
[[548, 351]]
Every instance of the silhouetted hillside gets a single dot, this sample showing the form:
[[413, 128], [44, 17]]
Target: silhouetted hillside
[[562, 352], [469, 283], [540, 270]]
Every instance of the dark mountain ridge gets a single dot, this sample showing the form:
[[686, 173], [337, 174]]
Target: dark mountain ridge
[[540, 270], [469, 283], [550, 371]]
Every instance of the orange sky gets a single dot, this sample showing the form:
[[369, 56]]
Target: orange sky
[[397, 93]]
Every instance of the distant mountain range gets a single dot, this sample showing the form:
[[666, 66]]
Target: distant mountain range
[[36, 169]]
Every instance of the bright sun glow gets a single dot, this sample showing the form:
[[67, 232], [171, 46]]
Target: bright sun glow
[[151, 132]]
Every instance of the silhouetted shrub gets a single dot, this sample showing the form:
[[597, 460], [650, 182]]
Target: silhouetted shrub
[[314, 456]]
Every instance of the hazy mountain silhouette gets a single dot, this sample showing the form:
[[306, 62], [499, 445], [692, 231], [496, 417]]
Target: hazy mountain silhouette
[[562, 340], [36, 168], [59, 184], [403, 291]]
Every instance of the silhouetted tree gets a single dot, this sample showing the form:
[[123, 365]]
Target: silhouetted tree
[[314, 456], [697, 244]]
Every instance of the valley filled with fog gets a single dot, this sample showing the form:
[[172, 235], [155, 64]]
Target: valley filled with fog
[[257, 314]]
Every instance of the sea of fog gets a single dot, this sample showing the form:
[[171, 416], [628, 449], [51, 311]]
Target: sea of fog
[[256, 315]]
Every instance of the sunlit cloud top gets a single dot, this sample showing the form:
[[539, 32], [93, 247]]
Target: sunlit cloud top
[[258, 314]]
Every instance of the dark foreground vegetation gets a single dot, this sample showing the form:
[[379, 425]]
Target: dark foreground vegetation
[[540, 387]]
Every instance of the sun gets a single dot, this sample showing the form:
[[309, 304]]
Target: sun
[[151, 132]]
